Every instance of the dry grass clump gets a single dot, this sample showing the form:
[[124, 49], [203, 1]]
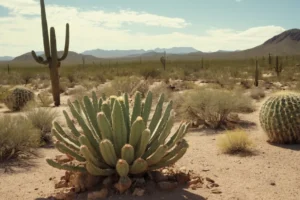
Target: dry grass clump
[[125, 84], [16, 135], [45, 99], [41, 119], [161, 87], [213, 108], [77, 93], [257, 93], [234, 141]]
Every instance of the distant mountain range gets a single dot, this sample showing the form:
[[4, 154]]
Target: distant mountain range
[[285, 43], [6, 58], [100, 53]]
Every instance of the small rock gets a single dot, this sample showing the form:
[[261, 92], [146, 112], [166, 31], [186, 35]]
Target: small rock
[[209, 180], [272, 183], [216, 191], [66, 194], [61, 184], [159, 176], [205, 170], [140, 182], [166, 185], [102, 194], [138, 192], [182, 177], [195, 186], [194, 181]]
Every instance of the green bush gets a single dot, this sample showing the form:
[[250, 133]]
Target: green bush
[[41, 119], [16, 135], [211, 107]]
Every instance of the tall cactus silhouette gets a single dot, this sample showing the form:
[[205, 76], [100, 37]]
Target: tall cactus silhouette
[[50, 50], [256, 75], [278, 67], [163, 60]]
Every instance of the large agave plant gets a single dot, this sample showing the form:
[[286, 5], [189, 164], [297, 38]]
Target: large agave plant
[[110, 138]]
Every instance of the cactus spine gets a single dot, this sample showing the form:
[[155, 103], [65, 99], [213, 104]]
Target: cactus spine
[[279, 117], [117, 141], [50, 50]]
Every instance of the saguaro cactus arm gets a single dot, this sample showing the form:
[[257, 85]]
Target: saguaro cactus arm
[[67, 40], [45, 30], [39, 59]]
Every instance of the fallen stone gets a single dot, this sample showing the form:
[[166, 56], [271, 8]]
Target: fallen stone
[[102, 194], [216, 191], [209, 180], [138, 192], [61, 184]]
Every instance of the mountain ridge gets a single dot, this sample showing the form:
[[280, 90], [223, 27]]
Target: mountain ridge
[[285, 43]]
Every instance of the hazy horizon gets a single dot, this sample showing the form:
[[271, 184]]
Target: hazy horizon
[[117, 25]]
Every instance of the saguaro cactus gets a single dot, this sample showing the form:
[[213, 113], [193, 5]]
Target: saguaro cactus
[[50, 50], [163, 60], [256, 76], [278, 67]]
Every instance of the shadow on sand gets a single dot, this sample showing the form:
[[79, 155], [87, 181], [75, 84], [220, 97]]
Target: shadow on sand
[[177, 194], [294, 147], [17, 165]]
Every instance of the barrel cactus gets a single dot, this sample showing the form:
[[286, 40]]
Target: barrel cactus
[[112, 139], [17, 98], [280, 117]]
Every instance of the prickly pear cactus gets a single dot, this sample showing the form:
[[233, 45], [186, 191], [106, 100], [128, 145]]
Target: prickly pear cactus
[[111, 138], [280, 118], [17, 98]]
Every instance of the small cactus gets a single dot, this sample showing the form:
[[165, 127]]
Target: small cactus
[[17, 98], [280, 117]]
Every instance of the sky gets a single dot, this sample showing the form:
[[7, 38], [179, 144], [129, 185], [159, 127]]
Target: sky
[[207, 25]]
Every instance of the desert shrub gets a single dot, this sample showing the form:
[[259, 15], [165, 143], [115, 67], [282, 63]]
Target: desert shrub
[[71, 77], [45, 99], [13, 78], [125, 84], [211, 107], [16, 135], [257, 93], [183, 85], [63, 86], [4, 91], [88, 84], [41, 119], [234, 141], [161, 87], [77, 93], [150, 73]]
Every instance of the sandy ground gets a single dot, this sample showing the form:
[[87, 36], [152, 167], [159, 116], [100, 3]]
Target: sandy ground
[[271, 173]]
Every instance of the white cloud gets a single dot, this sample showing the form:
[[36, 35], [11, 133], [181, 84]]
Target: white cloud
[[98, 29]]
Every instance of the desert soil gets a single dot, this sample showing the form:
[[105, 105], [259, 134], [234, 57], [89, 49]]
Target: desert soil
[[271, 173]]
